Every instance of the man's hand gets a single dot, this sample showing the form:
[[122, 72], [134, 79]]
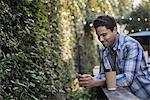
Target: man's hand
[[89, 82]]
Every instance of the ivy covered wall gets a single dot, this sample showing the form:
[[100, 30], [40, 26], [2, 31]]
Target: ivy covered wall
[[32, 64], [62, 64]]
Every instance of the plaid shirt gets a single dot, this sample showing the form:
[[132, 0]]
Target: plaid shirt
[[131, 66]]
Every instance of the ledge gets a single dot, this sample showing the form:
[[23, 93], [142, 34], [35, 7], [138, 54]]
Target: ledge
[[119, 94]]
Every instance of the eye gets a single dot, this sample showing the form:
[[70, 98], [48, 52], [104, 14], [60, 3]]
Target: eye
[[103, 35]]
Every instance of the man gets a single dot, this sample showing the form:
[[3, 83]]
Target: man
[[124, 54]]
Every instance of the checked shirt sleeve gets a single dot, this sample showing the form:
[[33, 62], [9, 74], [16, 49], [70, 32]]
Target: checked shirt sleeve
[[130, 62]]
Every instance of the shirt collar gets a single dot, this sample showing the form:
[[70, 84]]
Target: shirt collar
[[117, 46], [119, 42]]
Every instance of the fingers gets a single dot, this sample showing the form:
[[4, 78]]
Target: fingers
[[85, 81], [86, 84]]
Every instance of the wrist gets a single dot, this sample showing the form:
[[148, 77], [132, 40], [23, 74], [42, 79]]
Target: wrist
[[99, 83]]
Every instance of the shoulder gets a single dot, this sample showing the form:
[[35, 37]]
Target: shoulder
[[130, 42]]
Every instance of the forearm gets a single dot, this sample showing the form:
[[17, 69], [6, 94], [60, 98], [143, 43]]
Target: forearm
[[124, 79], [99, 83]]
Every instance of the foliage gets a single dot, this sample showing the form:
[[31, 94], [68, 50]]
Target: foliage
[[24, 50], [121, 7], [61, 64], [84, 94], [140, 19], [31, 66]]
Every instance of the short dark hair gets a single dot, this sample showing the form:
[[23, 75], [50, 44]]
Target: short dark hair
[[105, 20]]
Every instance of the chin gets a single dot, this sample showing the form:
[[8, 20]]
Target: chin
[[106, 45]]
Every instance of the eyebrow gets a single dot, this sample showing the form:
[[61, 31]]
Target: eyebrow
[[101, 33]]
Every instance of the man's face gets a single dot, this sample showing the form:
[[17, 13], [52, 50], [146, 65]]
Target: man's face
[[106, 36]]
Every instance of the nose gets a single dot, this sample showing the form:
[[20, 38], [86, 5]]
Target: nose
[[101, 38]]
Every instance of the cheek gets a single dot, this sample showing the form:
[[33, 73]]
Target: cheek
[[110, 38]]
